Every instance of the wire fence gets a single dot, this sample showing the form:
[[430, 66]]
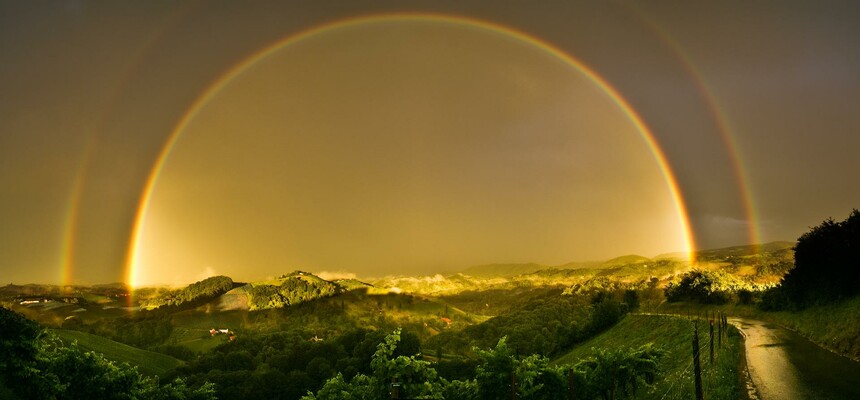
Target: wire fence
[[711, 338]]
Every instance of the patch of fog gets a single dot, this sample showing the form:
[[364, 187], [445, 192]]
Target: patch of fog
[[335, 275]]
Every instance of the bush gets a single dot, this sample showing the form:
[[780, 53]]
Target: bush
[[703, 287], [745, 297], [617, 373], [775, 299], [631, 298]]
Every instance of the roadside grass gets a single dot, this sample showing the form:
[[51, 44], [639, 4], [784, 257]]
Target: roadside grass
[[147, 362], [835, 327], [674, 335]]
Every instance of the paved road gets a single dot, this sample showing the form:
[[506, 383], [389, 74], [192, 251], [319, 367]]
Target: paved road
[[785, 366]]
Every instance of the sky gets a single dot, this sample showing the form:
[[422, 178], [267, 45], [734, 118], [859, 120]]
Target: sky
[[163, 142]]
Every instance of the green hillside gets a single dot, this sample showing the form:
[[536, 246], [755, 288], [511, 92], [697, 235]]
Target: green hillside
[[628, 259], [352, 284], [289, 290], [674, 336], [744, 250], [196, 292], [147, 362]]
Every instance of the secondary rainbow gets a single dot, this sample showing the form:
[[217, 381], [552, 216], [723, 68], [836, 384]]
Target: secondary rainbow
[[132, 267], [68, 241], [717, 115]]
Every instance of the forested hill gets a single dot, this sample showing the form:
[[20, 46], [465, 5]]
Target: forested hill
[[780, 247], [204, 290], [746, 254], [291, 289], [285, 290]]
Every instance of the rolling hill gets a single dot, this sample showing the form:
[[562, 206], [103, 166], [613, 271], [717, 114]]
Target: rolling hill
[[147, 362], [502, 270]]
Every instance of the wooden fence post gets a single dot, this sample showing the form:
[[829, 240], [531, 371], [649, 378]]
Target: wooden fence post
[[720, 333], [697, 367], [711, 340], [395, 388], [514, 385], [570, 394]]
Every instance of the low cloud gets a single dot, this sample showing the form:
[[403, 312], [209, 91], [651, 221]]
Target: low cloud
[[728, 221], [333, 275], [208, 272]]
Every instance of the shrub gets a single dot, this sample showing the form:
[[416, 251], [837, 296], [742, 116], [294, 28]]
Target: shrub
[[704, 287]]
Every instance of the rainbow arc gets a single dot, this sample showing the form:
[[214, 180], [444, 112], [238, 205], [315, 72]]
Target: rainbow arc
[[132, 260]]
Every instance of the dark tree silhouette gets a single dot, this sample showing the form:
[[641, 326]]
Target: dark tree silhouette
[[827, 263]]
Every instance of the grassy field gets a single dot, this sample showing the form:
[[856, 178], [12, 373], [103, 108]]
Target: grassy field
[[674, 335], [147, 362], [835, 327]]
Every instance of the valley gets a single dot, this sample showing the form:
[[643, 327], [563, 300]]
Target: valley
[[291, 335]]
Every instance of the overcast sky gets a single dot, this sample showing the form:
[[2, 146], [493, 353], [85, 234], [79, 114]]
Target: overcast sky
[[414, 146]]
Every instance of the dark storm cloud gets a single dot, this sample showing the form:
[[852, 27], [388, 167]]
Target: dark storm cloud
[[114, 77]]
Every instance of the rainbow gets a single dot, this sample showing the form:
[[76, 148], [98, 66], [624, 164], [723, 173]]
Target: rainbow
[[67, 249], [69, 237], [132, 267], [717, 115]]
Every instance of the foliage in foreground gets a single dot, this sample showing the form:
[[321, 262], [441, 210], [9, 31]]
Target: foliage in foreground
[[609, 374], [36, 365], [674, 380]]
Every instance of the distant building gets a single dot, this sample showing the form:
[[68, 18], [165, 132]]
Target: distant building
[[213, 332]]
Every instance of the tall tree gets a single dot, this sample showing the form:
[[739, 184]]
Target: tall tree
[[827, 262]]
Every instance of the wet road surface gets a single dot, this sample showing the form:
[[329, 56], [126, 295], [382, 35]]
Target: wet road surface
[[786, 366]]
